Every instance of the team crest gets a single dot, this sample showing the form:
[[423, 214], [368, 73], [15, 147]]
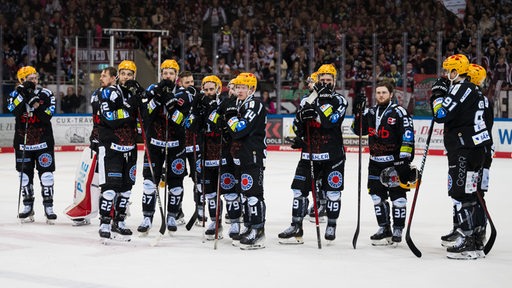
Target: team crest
[[391, 121], [133, 172], [450, 182], [178, 166], [335, 179], [246, 182], [227, 181], [198, 166], [45, 160]]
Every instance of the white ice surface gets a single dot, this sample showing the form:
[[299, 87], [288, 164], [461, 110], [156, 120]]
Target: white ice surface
[[40, 255]]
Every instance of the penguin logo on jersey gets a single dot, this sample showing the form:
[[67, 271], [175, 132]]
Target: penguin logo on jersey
[[450, 182], [335, 179], [198, 166], [133, 172], [227, 181], [45, 160], [246, 182], [178, 166]]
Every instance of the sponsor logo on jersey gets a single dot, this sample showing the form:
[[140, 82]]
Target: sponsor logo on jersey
[[178, 166], [227, 181], [450, 182], [246, 182], [391, 121], [45, 160], [335, 179], [133, 172]]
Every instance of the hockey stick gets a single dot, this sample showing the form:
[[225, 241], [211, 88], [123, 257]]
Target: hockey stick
[[313, 188], [193, 219], [217, 209], [146, 150], [492, 237], [22, 163], [408, 239], [359, 164]]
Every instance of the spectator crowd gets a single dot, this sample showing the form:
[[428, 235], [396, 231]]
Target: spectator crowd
[[191, 25]]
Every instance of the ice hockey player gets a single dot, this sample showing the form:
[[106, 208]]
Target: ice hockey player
[[216, 153], [391, 142], [245, 119], [33, 107], [477, 75], [458, 104], [322, 115], [117, 151]]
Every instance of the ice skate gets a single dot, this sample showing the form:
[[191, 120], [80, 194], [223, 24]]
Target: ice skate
[[171, 224], [201, 218], [397, 235], [121, 232], [145, 226], [480, 240], [234, 229], [255, 239], [243, 232], [105, 231], [330, 233], [50, 215], [382, 237], [27, 214], [181, 218], [81, 222], [292, 234], [210, 231], [449, 239], [464, 248]]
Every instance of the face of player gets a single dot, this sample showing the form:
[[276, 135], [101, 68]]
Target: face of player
[[125, 75], [34, 78], [169, 74], [187, 81], [326, 79], [243, 91], [232, 90], [106, 80], [209, 89], [382, 95]]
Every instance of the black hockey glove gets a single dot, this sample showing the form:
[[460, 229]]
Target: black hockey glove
[[27, 89], [163, 88], [307, 112], [227, 108], [403, 169], [359, 103], [134, 88], [440, 88], [297, 142], [323, 90], [208, 103], [192, 91]]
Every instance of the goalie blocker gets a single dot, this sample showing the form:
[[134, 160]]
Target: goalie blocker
[[86, 191], [389, 177]]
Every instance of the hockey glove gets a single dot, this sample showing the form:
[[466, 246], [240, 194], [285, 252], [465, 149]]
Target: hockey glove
[[358, 104], [403, 169], [440, 87], [307, 112], [323, 90], [134, 88], [170, 102], [192, 91], [228, 108], [207, 102], [164, 87]]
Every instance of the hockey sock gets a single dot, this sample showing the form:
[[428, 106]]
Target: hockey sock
[[381, 210], [106, 200], [233, 205], [465, 216], [175, 199], [148, 198], [121, 204], [299, 207], [47, 188], [333, 205], [257, 210], [399, 211], [212, 205]]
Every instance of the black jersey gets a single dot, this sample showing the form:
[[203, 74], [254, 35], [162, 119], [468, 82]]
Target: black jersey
[[157, 118], [390, 132], [95, 104], [464, 120], [118, 124], [326, 135], [39, 131]]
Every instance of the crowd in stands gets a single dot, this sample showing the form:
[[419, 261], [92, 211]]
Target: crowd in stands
[[196, 21]]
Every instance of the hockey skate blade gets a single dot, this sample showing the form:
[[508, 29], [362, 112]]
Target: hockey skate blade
[[82, 222], [467, 255], [50, 221], [480, 254], [448, 244], [212, 237], [382, 242], [291, 241], [254, 246], [29, 219]]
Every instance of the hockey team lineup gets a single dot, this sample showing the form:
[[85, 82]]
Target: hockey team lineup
[[218, 141]]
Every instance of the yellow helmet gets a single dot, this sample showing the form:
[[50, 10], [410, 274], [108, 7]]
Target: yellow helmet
[[214, 79], [477, 74], [457, 62], [248, 79], [127, 65], [170, 63], [24, 71], [326, 69]]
